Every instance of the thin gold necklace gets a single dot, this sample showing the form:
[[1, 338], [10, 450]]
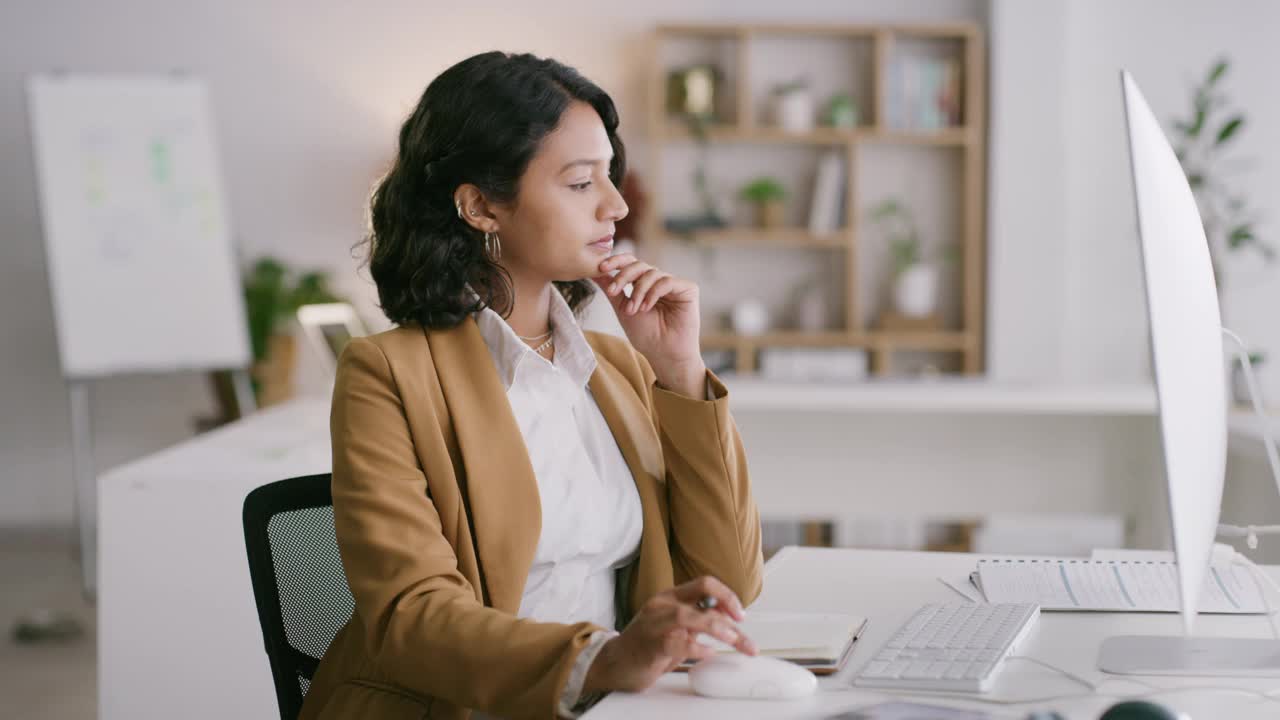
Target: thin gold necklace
[[543, 347]]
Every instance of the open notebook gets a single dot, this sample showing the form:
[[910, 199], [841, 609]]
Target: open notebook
[[820, 642]]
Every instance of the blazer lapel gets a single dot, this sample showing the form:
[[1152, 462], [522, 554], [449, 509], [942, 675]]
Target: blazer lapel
[[506, 512], [633, 429], [627, 418]]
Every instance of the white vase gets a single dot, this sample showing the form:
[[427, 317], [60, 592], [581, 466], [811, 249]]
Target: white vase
[[793, 111], [750, 317], [915, 291]]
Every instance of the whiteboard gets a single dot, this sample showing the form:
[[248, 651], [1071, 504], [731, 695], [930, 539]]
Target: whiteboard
[[141, 266]]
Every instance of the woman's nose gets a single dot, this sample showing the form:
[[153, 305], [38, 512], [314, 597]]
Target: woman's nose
[[614, 208]]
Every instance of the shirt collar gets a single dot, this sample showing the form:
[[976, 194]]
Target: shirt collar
[[573, 354]]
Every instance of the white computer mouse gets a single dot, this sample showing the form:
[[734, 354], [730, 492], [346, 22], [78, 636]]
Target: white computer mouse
[[734, 675]]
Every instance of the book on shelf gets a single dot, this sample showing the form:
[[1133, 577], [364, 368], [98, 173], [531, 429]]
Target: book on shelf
[[801, 364], [924, 93], [827, 206]]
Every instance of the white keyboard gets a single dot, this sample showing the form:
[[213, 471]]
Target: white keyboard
[[950, 647]]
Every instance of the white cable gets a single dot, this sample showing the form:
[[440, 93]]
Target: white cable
[[1255, 398], [1254, 573], [1270, 580], [1249, 532], [1065, 673], [1269, 695]]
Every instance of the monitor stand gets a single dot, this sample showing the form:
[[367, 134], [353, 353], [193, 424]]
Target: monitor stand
[[1193, 656]]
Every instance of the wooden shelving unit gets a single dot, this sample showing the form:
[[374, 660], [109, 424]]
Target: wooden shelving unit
[[732, 47], [820, 136]]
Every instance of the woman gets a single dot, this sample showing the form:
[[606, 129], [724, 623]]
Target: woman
[[508, 489]]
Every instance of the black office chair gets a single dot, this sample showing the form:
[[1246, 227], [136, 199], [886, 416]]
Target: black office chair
[[298, 582]]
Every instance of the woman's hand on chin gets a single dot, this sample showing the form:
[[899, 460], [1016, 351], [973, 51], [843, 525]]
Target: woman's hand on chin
[[661, 319]]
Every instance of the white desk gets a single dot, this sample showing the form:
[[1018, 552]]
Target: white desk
[[178, 630], [888, 586], [947, 396], [178, 633]]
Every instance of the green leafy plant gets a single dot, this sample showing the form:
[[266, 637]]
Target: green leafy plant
[[898, 225], [699, 128], [1201, 140], [842, 111], [763, 190], [272, 296]]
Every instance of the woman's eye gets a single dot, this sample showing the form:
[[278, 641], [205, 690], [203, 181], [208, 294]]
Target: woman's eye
[[581, 186]]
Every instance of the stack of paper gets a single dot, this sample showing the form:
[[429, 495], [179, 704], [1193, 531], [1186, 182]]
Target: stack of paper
[[1112, 585]]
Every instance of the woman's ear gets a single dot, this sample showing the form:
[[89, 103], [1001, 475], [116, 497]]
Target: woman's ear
[[473, 209]]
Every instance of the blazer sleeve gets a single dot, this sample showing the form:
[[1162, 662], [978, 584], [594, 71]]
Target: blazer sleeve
[[423, 625], [715, 524]]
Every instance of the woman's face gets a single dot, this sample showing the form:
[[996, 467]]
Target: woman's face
[[561, 224]]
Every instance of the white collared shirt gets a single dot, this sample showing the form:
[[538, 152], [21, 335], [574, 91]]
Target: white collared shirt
[[591, 514]]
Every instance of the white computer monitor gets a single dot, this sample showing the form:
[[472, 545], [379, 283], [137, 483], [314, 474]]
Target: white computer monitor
[[1190, 377], [1186, 344]]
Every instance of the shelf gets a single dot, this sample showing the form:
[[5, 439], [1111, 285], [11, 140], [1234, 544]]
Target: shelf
[[942, 340], [700, 30], [866, 62], [944, 30], [784, 338], [781, 237], [946, 395], [958, 136]]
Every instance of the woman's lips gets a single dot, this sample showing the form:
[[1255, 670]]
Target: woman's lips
[[604, 243]]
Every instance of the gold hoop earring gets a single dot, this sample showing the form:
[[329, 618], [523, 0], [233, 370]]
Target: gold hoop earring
[[493, 246]]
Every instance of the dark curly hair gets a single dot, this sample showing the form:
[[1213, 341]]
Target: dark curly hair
[[479, 122]]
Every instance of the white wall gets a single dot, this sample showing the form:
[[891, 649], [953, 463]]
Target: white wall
[[1027, 207], [1065, 272], [1177, 44], [307, 99]]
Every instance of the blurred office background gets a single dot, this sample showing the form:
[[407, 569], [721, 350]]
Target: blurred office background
[[1025, 424]]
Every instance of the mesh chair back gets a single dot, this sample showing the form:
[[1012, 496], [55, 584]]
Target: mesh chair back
[[298, 582]]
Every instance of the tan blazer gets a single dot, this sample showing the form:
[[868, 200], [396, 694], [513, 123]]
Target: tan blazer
[[437, 516]]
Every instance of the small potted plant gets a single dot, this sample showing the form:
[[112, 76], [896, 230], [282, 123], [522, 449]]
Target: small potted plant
[[272, 297], [915, 284], [768, 197], [842, 111]]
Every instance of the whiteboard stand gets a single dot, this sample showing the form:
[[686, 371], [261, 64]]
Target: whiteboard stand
[[86, 477], [132, 206], [86, 499]]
